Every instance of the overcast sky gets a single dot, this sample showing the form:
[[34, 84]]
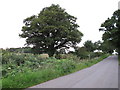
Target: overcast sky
[[90, 14]]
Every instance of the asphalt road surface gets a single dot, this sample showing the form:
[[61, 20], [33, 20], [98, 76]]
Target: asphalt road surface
[[101, 75]]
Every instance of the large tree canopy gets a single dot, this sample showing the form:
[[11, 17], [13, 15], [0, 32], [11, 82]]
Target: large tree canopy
[[111, 28], [50, 30]]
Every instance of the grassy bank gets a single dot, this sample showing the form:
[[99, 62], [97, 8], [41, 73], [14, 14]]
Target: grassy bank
[[119, 59], [50, 69]]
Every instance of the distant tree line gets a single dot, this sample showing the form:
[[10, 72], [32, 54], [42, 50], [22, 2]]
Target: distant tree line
[[20, 50]]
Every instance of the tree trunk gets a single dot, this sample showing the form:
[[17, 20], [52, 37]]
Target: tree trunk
[[51, 52]]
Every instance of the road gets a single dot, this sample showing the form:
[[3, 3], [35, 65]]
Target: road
[[101, 75]]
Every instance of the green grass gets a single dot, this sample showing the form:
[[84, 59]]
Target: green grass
[[30, 78], [89, 63], [0, 83], [24, 80], [119, 59]]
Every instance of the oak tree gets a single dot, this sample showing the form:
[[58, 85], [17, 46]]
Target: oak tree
[[52, 29]]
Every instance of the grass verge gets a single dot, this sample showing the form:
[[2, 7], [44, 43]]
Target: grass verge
[[27, 79], [119, 59]]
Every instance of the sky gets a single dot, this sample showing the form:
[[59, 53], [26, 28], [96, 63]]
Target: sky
[[90, 15]]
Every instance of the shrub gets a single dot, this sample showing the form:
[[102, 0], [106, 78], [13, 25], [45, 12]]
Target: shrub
[[67, 56], [81, 52], [60, 56], [65, 65], [95, 54]]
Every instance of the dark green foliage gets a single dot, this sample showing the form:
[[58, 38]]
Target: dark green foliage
[[81, 52], [84, 53], [106, 47], [20, 50], [97, 45], [119, 59], [89, 46], [98, 54], [111, 28], [50, 30], [95, 54], [67, 56]]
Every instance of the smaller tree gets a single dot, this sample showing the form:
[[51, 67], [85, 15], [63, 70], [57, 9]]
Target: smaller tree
[[106, 47], [89, 46], [81, 52]]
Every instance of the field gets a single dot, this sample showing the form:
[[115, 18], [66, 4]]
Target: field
[[22, 70]]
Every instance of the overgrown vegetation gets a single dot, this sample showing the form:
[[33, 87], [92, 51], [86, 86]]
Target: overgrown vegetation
[[119, 59], [24, 69]]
